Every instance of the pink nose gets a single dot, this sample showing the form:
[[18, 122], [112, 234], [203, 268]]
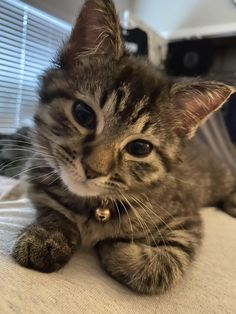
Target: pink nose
[[90, 173]]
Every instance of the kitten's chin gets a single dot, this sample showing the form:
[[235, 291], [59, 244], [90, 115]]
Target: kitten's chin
[[84, 188]]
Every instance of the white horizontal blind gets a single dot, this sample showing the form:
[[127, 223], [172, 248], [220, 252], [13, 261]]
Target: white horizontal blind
[[29, 40]]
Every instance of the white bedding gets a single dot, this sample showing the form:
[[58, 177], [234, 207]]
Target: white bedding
[[83, 287]]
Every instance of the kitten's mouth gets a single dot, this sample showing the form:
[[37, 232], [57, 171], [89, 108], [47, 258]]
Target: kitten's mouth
[[81, 186]]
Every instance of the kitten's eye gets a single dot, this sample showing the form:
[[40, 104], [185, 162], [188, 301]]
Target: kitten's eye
[[139, 148], [84, 115]]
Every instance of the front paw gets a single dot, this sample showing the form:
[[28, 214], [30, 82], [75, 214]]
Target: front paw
[[144, 269], [41, 249]]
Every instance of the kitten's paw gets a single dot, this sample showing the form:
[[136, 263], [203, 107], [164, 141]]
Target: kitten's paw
[[43, 250], [144, 269]]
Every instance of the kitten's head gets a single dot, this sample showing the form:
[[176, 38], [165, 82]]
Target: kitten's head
[[112, 124]]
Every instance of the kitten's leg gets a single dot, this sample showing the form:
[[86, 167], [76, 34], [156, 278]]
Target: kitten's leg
[[47, 244], [229, 205], [152, 269]]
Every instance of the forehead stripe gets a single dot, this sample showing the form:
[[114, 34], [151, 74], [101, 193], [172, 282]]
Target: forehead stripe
[[47, 96], [103, 98], [119, 97], [164, 159], [146, 126], [139, 114]]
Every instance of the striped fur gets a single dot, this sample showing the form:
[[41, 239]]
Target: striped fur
[[155, 228]]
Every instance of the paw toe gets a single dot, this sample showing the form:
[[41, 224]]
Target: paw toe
[[42, 250]]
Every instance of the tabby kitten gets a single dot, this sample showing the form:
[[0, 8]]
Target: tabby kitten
[[119, 172]]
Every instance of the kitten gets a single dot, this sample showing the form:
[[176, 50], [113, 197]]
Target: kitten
[[116, 168], [15, 150]]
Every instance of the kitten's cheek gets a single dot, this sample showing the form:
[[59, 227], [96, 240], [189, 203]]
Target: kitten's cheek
[[68, 177], [79, 187], [78, 184]]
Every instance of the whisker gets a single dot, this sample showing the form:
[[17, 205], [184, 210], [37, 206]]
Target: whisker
[[118, 212], [6, 163], [159, 232], [154, 213], [131, 226], [141, 220], [53, 172], [14, 167], [27, 150], [29, 169], [9, 141], [42, 175]]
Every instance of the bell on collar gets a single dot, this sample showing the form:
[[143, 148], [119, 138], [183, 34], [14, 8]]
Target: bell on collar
[[103, 213]]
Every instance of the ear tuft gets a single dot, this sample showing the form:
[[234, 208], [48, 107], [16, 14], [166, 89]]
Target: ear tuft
[[96, 32], [195, 102]]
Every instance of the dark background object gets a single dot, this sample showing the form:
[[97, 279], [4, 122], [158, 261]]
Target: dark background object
[[136, 41], [189, 57], [230, 117]]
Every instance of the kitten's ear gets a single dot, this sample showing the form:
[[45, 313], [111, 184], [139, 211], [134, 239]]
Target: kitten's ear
[[96, 32], [195, 102]]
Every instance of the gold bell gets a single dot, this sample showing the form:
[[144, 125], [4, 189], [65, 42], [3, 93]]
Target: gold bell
[[102, 214]]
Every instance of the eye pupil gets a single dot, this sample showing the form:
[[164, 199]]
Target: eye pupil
[[139, 148], [84, 115]]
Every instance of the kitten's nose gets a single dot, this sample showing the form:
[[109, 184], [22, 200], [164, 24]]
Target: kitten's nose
[[90, 173]]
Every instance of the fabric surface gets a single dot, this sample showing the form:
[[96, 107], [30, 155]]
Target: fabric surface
[[83, 287]]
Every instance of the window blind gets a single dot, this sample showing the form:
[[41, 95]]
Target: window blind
[[29, 40]]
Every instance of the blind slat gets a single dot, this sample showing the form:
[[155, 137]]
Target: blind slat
[[40, 37], [11, 8], [6, 19], [5, 53], [29, 40], [10, 39], [7, 112], [5, 100], [12, 101], [29, 54], [12, 90], [7, 46], [16, 42], [31, 73], [8, 58], [37, 14], [11, 28], [8, 122], [41, 24], [15, 85], [15, 80]]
